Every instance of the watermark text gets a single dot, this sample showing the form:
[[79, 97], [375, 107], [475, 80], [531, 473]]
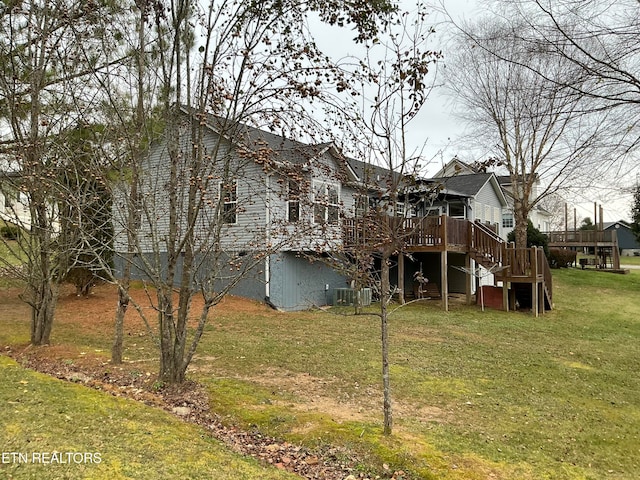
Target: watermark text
[[51, 458]]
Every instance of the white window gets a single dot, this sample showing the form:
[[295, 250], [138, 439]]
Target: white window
[[496, 215], [229, 193], [293, 201], [361, 205], [326, 203], [400, 209], [507, 220]]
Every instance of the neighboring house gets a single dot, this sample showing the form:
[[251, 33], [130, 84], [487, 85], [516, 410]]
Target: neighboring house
[[475, 197], [540, 218], [627, 243], [14, 204]]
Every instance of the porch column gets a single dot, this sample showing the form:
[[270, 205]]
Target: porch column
[[468, 285], [401, 278], [444, 280]]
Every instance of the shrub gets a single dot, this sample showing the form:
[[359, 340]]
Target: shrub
[[562, 257], [83, 279], [535, 238], [10, 232]]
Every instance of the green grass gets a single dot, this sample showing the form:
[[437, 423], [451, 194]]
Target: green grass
[[476, 395], [553, 397], [131, 440], [10, 253], [630, 260]]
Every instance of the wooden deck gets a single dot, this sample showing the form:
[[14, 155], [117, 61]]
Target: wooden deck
[[603, 242], [582, 238], [478, 241], [425, 234]]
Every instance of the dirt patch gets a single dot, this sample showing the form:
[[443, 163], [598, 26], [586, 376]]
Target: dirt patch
[[363, 405], [312, 392]]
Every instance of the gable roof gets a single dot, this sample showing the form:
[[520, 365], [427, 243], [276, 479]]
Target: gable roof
[[622, 223], [456, 167], [284, 153], [470, 185]]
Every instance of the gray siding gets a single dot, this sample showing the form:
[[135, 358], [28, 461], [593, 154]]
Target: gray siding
[[223, 165], [298, 284], [626, 238], [251, 285], [261, 224]]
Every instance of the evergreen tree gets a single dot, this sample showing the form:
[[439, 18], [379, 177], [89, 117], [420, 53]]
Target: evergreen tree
[[587, 224], [635, 214], [535, 238]]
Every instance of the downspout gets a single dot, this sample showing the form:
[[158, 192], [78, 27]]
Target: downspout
[[267, 259]]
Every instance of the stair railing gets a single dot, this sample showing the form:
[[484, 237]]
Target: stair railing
[[546, 271], [485, 244]]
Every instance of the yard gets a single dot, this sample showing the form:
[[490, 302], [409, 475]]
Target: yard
[[488, 395]]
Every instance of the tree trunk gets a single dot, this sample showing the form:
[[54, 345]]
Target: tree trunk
[[386, 384], [172, 341], [133, 213], [42, 282], [118, 335], [42, 312], [521, 223]]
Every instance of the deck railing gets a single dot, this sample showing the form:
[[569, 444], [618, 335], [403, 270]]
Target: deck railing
[[485, 243], [423, 231], [581, 236], [413, 232], [457, 231], [521, 262]]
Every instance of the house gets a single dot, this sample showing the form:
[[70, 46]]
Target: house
[[279, 204], [280, 208], [628, 245], [14, 204], [540, 218], [475, 197]]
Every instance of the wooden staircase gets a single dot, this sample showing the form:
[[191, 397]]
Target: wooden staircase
[[523, 268], [485, 246]]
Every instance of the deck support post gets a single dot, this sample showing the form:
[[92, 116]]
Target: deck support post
[[401, 278], [468, 285], [535, 302], [505, 295], [541, 297], [444, 281]]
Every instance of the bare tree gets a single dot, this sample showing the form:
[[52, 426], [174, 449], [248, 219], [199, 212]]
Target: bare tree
[[535, 125], [201, 189], [398, 69], [40, 46], [601, 41]]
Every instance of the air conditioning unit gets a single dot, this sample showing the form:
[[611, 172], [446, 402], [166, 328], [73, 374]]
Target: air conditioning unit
[[350, 296]]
